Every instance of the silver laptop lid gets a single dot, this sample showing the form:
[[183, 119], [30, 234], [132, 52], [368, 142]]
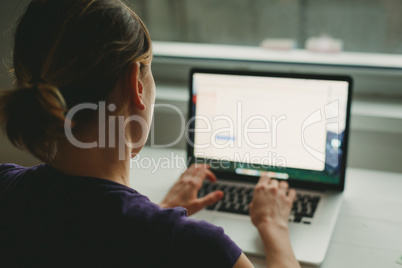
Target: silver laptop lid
[[295, 126]]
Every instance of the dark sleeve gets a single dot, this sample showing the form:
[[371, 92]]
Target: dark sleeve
[[9, 175], [5, 167], [201, 244]]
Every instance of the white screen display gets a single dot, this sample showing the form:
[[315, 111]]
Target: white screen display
[[268, 120]]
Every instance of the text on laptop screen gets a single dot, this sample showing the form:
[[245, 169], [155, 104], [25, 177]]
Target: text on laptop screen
[[290, 126]]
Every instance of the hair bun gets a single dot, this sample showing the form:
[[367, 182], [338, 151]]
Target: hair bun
[[51, 99], [37, 80], [33, 116]]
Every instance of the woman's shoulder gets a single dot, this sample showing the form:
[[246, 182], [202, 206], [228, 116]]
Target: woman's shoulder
[[10, 174], [10, 171], [14, 169], [9, 167]]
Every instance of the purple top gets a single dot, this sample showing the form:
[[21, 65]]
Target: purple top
[[55, 220]]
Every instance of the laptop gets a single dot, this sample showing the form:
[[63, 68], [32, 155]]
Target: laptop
[[294, 126]]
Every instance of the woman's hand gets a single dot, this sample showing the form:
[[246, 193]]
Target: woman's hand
[[271, 203], [184, 191], [269, 211]]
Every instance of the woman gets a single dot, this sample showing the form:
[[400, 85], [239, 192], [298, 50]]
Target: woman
[[78, 209]]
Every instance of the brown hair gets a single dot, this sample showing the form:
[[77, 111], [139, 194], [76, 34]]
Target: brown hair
[[67, 52]]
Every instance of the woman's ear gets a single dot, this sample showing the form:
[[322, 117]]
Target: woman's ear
[[136, 87]]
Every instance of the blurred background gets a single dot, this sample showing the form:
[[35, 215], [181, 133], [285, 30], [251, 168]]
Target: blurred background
[[363, 25], [360, 29]]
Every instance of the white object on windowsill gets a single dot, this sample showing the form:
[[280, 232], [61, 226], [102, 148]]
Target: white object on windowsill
[[324, 43], [278, 44]]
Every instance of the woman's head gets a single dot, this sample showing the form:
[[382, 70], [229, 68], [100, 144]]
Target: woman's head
[[68, 52]]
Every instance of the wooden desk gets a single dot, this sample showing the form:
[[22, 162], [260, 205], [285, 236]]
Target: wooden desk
[[369, 229]]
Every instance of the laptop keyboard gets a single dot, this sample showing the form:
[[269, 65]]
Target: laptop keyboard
[[237, 200]]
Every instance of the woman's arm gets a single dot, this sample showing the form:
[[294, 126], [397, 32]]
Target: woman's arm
[[269, 211], [243, 262]]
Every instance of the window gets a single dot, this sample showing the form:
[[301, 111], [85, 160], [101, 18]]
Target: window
[[373, 26]]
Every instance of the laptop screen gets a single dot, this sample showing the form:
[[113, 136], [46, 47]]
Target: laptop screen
[[293, 127]]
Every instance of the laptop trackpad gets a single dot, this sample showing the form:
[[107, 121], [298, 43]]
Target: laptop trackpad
[[242, 232]]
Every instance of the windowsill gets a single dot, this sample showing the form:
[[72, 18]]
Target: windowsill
[[257, 54]]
